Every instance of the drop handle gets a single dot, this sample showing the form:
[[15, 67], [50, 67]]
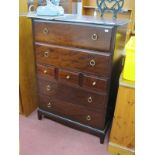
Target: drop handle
[[45, 31], [94, 37], [48, 87], [90, 100], [88, 118], [49, 105], [92, 62], [46, 54]]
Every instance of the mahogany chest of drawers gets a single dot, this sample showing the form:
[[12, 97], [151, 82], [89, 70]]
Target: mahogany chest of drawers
[[77, 68]]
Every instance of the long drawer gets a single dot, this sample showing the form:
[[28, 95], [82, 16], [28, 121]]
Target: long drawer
[[73, 95], [81, 36], [72, 111], [71, 58]]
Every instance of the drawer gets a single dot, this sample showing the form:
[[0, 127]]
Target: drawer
[[72, 111], [75, 35], [73, 95], [71, 58], [46, 71], [68, 77], [97, 84]]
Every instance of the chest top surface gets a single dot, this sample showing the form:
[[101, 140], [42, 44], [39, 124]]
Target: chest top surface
[[73, 18]]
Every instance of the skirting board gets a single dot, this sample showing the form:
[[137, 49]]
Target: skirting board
[[119, 150]]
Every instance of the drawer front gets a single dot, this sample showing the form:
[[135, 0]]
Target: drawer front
[[68, 77], [46, 71], [81, 36], [80, 60], [72, 111], [73, 95], [98, 84]]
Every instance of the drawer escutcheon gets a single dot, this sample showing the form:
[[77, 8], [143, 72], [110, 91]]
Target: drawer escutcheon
[[92, 62], [46, 54], [45, 31], [90, 100], [94, 37], [49, 105], [48, 87], [88, 118]]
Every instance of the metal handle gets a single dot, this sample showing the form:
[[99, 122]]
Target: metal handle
[[94, 37], [45, 31], [90, 100], [46, 54], [49, 105], [92, 63], [88, 118], [48, 87], [45, 71], [68, 77], [94, 83]]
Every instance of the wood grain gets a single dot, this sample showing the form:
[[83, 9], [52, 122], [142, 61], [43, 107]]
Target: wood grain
[[23, 6], [75, 95], [68, 77], [123, 126], [46, 71], [72, 111], [68, 35], [26, 67], [95, 83], [70, 58]]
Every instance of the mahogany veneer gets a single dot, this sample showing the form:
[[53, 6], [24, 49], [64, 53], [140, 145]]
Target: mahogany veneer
[[77, 67]]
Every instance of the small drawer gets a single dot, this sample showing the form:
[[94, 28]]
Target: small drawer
[[68, 77], [98, 84], [46, 71], [75, 35], [72, 111]]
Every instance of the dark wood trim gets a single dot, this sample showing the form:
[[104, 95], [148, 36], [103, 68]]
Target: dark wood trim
[[75, 125]]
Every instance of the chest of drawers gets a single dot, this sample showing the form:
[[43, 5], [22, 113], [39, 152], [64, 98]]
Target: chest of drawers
[[77, 68]]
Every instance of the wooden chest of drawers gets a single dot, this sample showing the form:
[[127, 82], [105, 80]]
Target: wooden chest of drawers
[[77, 69]]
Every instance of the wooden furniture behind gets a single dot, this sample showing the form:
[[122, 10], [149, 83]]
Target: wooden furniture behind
[[89, 7], [77, 69], [122, 136], [27, 81]]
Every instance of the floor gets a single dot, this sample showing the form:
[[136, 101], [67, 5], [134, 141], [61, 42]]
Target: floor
[[47, 137]]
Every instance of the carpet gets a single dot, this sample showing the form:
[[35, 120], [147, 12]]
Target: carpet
[[47, 137]]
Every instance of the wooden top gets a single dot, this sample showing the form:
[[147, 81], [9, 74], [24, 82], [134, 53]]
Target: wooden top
[[81, 19]]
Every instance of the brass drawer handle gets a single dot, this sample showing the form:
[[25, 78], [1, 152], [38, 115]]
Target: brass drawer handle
[[46, 54], [94, 83], [92, 62], [68, 77], [49, 105], [45, 31], [45, 71], [90, 100], [94, 37], [88, 118], [48, 87]]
